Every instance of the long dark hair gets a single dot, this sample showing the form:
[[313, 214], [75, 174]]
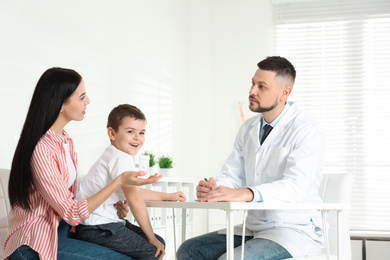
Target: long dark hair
[[54, 87]]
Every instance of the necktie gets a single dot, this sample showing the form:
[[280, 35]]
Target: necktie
[[267, 129]]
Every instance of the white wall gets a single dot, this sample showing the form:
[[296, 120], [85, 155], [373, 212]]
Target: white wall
[[226, 40], [191, 59], [130, 51]]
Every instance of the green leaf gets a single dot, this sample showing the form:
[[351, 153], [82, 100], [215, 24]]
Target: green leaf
[[165, 161], [152, 160]]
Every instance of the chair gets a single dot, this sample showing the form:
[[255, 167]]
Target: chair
[[4, 208], [335, 188]]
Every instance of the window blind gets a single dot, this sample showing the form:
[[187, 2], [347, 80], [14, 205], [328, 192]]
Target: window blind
[[341, 51]]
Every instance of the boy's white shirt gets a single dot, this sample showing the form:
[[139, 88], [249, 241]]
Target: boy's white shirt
[[112, 163]]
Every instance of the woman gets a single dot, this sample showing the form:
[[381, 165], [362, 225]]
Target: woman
[[43, 177]]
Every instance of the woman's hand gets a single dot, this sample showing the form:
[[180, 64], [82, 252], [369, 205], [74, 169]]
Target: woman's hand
[[177, 196], [132, 178], [122, 209], [160, 248]]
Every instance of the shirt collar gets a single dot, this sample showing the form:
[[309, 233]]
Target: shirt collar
[[276, 120], [56, 137]]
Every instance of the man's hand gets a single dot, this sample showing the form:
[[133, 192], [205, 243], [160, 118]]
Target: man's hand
[[222, 193], [204, 187], [122, 209]]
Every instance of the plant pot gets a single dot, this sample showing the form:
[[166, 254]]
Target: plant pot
[[144, 162], [166, 172]]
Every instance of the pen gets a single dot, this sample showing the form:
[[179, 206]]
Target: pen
[[207, 181]]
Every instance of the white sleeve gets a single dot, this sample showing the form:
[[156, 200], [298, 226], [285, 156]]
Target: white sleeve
[[119, 164]]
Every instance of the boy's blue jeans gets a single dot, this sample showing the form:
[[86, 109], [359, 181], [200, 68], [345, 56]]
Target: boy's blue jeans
[[126, 238], [212, 246], [71, 249]]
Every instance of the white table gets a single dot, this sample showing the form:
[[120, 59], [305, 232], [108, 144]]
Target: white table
[[229, 207]]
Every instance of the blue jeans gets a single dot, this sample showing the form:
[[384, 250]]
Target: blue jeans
[[212, 246], [125, 238], [70, 249], [23, 253]]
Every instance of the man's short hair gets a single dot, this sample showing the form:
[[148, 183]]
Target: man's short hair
[[281, 66], [125, 110]]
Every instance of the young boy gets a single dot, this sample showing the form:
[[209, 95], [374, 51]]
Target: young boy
[[126, 129]]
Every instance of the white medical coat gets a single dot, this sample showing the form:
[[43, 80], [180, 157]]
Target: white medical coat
[[285, 168]]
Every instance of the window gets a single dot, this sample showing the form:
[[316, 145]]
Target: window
[[341, 51]]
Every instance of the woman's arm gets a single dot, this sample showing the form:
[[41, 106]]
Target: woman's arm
[[49, 182], [139, 211], [156, 195]]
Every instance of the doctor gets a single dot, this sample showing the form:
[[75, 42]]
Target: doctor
[[283, 165]]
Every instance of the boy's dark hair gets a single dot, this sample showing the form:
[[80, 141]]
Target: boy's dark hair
[[281, 66], [118, 113]]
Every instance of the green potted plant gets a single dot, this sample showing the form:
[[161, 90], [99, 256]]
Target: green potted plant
[[165, 163], [152, 161]]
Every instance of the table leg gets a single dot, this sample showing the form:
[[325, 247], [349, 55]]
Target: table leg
[[326, 238], [183, 224], [174, 230], [230, 234], [364, 249], [243, 234], [340, 229]]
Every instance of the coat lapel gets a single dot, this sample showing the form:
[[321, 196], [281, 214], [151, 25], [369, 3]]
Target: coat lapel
[[254, 131]]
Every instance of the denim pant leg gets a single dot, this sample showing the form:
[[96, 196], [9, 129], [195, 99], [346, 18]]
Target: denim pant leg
[[206, 247], [71, 249], [127, 239], [213, 246], [74, 249], [260, 249], [23, 253], [139, 231]]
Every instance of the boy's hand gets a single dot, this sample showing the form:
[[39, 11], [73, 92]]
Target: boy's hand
[[177, 196], [160, 248], [122, 209], [131, 178]]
